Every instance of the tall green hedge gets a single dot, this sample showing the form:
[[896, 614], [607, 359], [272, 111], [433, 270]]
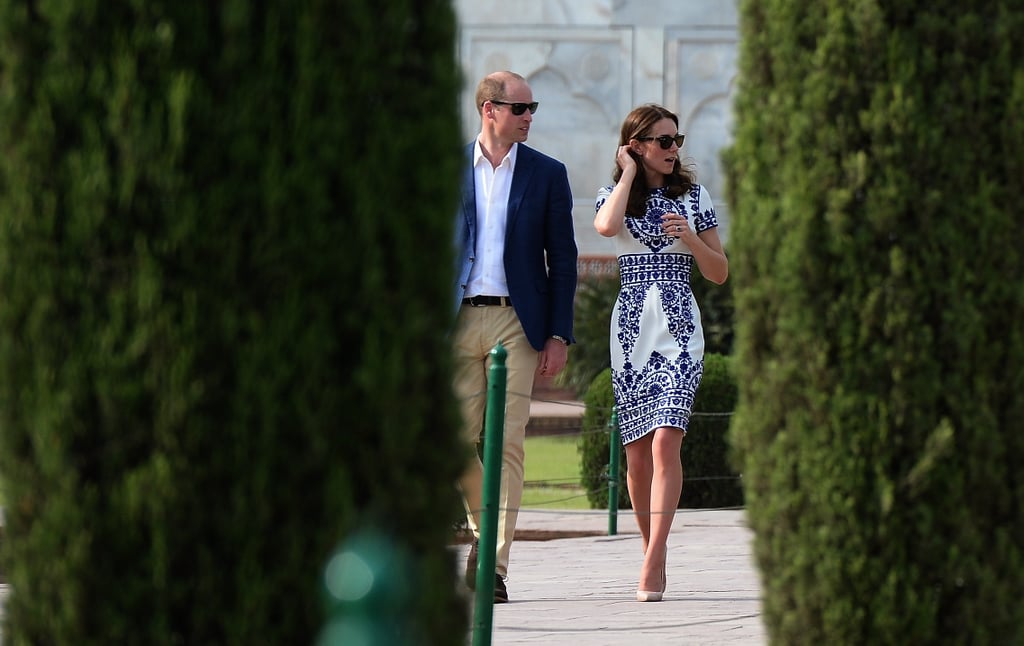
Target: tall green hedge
[[220, 353], [710, 479], [876, 183]]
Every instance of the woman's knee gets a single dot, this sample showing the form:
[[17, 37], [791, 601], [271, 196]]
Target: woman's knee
[[668, 441]]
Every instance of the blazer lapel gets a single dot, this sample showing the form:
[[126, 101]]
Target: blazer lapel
[[520, 181], [469, 196]]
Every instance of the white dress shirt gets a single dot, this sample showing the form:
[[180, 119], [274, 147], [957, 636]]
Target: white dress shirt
[[487, 277]]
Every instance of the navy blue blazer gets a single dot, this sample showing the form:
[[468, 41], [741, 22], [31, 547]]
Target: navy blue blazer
[[540, 244]]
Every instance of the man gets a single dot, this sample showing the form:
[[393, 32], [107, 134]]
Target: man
[[516, 284]]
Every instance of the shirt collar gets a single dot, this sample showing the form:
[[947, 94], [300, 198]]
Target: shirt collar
[[478, 154]]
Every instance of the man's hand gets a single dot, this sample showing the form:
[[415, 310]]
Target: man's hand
[[552, 358]]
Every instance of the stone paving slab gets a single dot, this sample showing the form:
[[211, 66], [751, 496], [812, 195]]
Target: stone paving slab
[[581, 591]]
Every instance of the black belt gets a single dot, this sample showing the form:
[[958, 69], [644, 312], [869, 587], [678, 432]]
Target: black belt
[[480, 301]]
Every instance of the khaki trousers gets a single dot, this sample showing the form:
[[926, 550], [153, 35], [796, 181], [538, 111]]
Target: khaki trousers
[[478, 330]]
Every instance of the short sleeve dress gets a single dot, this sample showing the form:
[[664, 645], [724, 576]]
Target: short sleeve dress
[[657, 343]]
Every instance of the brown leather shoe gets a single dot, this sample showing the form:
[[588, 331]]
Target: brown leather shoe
[[500, 592], [471, 565]]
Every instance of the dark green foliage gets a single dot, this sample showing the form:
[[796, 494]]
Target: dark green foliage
[[220, 351], [709, 480], [594, 446], [595, 299], [708, 477], [876, 183], [716, 312]]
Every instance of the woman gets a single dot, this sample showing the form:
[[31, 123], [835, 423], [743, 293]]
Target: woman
[[662, 222]]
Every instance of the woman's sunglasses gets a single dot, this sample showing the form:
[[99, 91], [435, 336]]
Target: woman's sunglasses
[[518, 108], [665, 141]]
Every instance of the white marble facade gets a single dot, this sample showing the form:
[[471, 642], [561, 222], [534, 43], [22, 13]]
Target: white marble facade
[[589, 62]]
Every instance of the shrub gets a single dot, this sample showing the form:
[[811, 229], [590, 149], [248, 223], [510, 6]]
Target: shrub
[[709, 480], [594, 446], [876, 241], [595, 298], [220, 353], [716, 312]]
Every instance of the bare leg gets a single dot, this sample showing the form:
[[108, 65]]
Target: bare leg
[[639, 472], [666, 487]]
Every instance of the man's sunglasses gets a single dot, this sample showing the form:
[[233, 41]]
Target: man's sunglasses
[[518, 108], [665, 141]]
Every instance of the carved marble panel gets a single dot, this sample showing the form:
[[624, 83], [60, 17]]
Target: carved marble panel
[[589, 62], [534, 12], [700, 74], [666, 13]]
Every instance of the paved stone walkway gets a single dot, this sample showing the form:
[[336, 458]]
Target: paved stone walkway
[[581, 591]]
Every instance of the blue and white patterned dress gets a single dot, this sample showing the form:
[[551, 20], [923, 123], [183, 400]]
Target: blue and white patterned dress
[[657, 343]]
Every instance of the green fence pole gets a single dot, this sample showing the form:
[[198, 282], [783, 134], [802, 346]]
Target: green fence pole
[[613, 473], [494, 438]]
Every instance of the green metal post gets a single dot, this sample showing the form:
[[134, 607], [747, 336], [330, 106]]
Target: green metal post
[[494, 438], [613, 473]]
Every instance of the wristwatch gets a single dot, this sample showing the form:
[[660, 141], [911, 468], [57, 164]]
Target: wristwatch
[[560, 338]]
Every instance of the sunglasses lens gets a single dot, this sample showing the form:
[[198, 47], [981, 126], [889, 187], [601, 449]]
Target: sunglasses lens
[[666, 141], [517, 108], [520, 108]]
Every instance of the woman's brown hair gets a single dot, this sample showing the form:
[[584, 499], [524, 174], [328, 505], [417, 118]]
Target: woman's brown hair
[[638, 123]]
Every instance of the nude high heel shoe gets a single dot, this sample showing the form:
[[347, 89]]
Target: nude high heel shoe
[[647, 595], [650, 595]]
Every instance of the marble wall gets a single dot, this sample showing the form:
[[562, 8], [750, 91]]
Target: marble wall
[[589, 62]]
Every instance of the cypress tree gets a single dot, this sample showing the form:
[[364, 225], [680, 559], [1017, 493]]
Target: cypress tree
[[224, 296], [876, 182]]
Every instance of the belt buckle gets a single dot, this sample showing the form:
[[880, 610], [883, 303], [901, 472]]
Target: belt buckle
[[473, 302]]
